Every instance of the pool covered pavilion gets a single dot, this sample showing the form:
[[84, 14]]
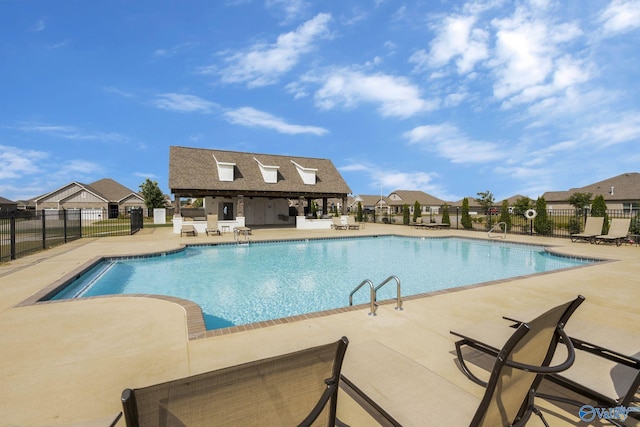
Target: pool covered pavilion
[[66, 363], [249, 189]]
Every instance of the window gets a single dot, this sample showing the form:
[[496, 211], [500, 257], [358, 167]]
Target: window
[[308, 175], [225, 170]]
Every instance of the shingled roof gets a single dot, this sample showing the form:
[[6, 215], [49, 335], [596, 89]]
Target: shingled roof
[[194, 172], [622, 187]]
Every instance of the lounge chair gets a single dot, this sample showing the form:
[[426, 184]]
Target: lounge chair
[[188, 229], [337, 223], [592, 228], [408, 394], [212, 225], [299, 388], [609, 376], [351, 223], [618, 231], [418, 223]]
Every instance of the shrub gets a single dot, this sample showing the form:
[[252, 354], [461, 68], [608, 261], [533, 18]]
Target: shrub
[[417, 211], [542, 224], [405, 214], [574, 225], [466, 217], [599, 208], [445, 214], [359, 216], [505, 216]]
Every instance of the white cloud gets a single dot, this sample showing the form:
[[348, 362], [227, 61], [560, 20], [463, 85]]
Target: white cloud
[[617, 131], [456, 38], [247, 116], [396, 96], [449, 142], [38, 26], [184, 103], [15, 162], [292, 8], [263, 64], [72, 133], [621, 16], [529, 55]]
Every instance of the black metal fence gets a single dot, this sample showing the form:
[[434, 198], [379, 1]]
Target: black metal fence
[[560, 223], [24, 232]]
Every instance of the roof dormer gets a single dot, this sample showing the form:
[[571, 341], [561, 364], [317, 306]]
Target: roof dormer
[[308, 175], [225, 170], [269, 173]]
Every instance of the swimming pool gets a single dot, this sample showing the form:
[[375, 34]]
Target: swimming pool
[[241, 284]]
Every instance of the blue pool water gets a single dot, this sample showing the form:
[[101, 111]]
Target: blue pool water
[[240, 284]]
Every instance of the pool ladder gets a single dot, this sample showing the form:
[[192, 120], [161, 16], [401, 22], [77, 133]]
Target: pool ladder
[[373, 291], [501, 226]]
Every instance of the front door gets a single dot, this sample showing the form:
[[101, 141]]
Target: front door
[[227, 211]]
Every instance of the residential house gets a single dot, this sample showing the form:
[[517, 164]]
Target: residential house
[[105, 198], [428, 203], [621, 192], [370, 203], [7, 206]]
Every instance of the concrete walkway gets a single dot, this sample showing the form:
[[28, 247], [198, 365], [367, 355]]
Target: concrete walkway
[[67, 362]]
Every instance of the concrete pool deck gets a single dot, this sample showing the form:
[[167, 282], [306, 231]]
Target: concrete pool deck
[[67, 362]]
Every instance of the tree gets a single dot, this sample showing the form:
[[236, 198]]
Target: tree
[[505, 216], [359, 215], [406, 215], [486, 200], [466, 217], [580, 201], [599, 208], [542, 224], [445, 214], [417, 211], [153, 197], [522, 205]]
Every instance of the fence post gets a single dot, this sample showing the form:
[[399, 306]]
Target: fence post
[[44, 229], [12, 233], [64, 223]]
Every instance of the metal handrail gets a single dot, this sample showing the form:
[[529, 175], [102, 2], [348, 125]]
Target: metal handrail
[[372, 294], [398, 298], [504, 228]]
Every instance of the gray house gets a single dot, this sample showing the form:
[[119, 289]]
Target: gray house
[[621, 192], [105, 198], [258, 188]]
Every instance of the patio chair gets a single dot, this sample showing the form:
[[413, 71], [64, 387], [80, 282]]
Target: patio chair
[[212, 225], [618, 231], [188, 229], [351, 223], [418, 223], [299, 388], [408, 394], [592, 228], [607, 376], [337, 223]]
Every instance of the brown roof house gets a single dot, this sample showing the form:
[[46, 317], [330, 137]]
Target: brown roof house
[[370, 202], [7, 206], [246, 189], [104, 198], [428, 203], [621, 192]]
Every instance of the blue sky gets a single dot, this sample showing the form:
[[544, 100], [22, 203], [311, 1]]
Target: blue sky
[[448, 97]]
